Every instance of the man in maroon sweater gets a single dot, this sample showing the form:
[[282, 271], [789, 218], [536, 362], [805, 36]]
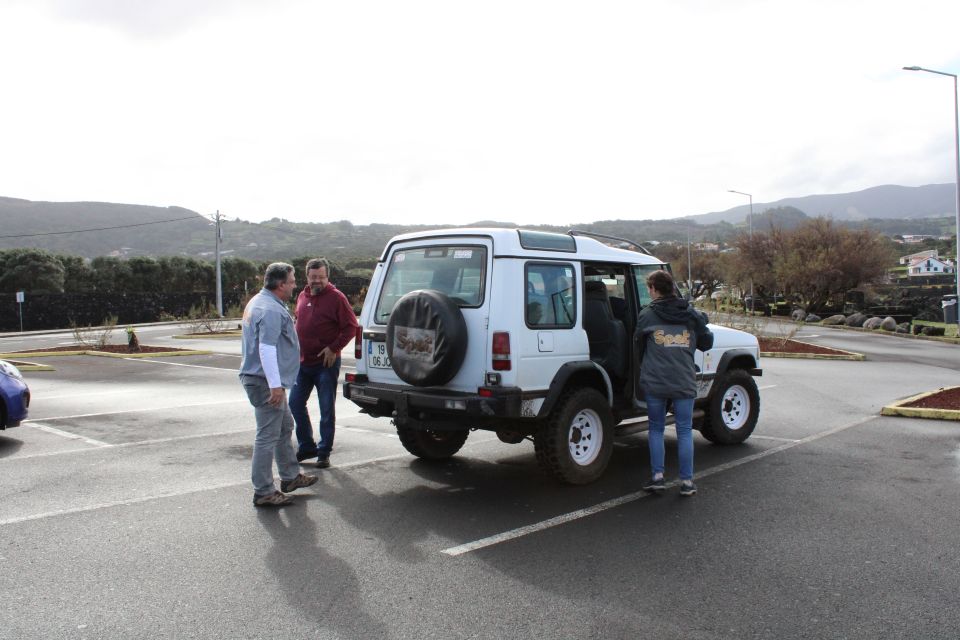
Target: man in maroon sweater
[[325, 324]]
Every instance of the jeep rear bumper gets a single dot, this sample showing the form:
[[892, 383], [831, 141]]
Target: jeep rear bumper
[[435, 408]]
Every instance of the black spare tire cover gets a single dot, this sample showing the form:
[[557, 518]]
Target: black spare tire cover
[[426, 338]]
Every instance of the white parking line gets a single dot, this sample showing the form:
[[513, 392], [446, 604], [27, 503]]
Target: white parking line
[[616, 502], [38, 396], [67, 434], [181, 364], [174, 494], [115, 413], [753, 436]]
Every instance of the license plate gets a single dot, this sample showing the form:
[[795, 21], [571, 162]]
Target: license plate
[[377, 355]]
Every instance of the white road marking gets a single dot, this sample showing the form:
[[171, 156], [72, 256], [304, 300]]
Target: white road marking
[[174, 494], [773, 438], [376, 433], [68, 435], [769, 386], [616, 502], [181, 364], [185, 492], [114, 413], [39, 396]]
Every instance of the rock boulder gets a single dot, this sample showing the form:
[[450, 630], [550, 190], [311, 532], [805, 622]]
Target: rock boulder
[[798, 315], [872, 323], [888, 324], [855, 320], [837, 319], [812, 318]]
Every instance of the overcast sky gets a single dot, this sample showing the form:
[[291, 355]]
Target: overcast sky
[[452, 112]]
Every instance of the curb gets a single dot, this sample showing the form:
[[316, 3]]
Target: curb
[[897, 408], [892, 334], [813, 356], [30, 366], [217, 336], [105, 354], [840, 355]]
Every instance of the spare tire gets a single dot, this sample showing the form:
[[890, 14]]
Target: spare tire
[[426, 338]]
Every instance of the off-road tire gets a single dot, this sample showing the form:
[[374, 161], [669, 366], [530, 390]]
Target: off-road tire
[[733, 408], [432, 445], [575, 443]]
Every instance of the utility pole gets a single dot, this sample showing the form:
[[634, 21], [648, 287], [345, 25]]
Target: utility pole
[[689, 266], [216, 219]]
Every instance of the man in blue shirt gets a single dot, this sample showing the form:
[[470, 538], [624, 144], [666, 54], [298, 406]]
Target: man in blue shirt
[[271, 361]]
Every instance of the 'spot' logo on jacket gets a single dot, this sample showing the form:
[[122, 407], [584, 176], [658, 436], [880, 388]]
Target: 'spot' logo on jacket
[[672, 340]]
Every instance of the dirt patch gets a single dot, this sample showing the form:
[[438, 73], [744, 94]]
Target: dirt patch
[[778, 345], [946, 399], [110, 348]]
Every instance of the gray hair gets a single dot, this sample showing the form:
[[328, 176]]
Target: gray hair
[[276, 274]]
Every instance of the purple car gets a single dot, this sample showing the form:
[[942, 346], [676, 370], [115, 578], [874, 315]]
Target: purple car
[[14, 396]]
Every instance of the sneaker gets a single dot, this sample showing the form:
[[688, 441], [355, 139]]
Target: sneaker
[[323, 462], [300, 481], [655, 484], [687, 488], [306, 455], [275, 499]]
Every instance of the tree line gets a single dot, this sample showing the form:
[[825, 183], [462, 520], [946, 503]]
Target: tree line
[[40, 271]]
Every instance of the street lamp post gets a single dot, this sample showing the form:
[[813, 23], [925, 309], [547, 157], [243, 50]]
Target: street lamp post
[[753, 304], [956, 148]]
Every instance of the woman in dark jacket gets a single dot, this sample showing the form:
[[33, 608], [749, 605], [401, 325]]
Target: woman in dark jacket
[[669, 331]]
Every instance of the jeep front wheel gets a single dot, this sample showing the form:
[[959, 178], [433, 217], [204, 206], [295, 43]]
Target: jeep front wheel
[[575, 443], [432, 445], [733, 409]]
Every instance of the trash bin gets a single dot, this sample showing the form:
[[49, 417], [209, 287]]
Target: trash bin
[[949, 304]]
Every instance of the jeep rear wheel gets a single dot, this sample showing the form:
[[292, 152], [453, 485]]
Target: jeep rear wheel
[[733, 409], [575, 443], [432, 445]]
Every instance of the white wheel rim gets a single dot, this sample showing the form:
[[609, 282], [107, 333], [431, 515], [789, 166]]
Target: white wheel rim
[[585, 437], [735, 407]]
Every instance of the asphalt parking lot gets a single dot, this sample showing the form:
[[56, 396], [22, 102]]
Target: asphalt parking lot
[[126, 513]]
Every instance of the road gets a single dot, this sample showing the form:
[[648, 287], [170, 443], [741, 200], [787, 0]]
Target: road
[[126, 514]]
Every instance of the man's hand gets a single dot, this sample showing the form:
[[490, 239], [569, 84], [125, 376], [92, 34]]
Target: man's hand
[[277, 396], [327, 357]]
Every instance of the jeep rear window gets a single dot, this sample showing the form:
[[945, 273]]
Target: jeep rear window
[[458, 271]]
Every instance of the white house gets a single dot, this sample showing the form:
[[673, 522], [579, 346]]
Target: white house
[[930, 267], [929, 253]]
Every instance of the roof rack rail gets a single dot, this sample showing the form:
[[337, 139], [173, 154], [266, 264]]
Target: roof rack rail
[[580, 232]]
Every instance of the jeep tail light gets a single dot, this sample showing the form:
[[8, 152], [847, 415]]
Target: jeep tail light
[[358, 344], [501, 351]]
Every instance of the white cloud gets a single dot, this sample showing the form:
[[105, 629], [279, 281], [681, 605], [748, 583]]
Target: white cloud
[[433, 112]]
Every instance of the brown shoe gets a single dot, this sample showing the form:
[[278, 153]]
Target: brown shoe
[[300, 481], [275, 499]]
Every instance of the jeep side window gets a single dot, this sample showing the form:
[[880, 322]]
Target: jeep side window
[[640, 273], [550, 296], [458, 271]]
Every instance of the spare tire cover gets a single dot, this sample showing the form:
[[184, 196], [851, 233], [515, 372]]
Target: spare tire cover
[[426, 338]]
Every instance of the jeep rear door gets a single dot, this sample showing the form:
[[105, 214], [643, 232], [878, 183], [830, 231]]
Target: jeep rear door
[[457, 267]]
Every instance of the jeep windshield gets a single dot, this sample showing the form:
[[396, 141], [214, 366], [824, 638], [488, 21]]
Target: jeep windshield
[[458, 271]]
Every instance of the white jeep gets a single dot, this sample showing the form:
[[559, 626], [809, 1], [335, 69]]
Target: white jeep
[[527, 334]]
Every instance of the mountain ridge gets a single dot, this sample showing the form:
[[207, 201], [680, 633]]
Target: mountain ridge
[[93, 229]]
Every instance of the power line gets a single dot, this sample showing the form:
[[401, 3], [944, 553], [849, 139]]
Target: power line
[[123, 226]]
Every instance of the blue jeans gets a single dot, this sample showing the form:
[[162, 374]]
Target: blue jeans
[[683, 413], [325, 380], [274, 426]]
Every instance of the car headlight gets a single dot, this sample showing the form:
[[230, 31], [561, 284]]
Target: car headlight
[[10, 370]]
